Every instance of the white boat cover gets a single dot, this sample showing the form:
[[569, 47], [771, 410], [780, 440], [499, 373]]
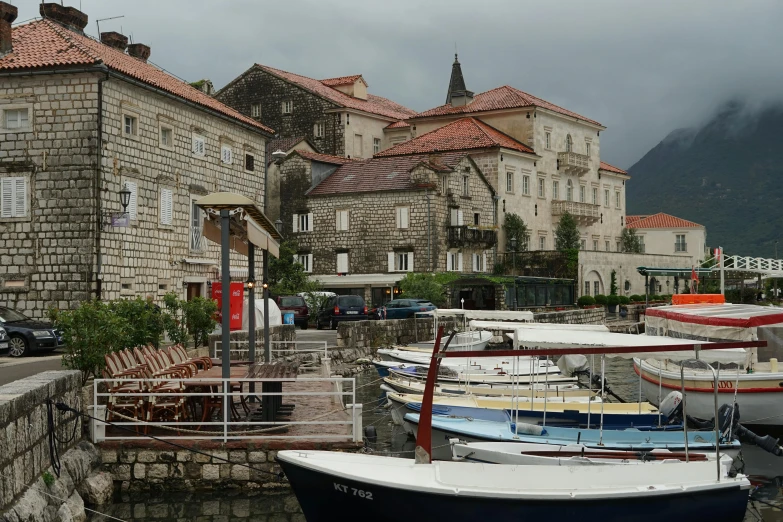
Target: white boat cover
[[485, 315], [509, 326], [531, 338]]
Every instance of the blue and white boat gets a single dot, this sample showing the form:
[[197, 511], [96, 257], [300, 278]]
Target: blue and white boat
[[445, 429]]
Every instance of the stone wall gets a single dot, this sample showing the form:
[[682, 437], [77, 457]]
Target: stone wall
[[579, 316], [256, 86], [283, 332], [366, 336], [153, 465]]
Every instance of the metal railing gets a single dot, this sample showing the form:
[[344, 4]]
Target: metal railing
[[213, 394], [198, 243], [217, 353], [464, 235]]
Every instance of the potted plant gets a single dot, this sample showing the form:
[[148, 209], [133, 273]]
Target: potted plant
[[600, 299], [624, 301], [585, 301], [612, 301]]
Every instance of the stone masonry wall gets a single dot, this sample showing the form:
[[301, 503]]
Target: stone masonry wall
[[24, 449], [366, 336], [581, 316], [372, 231], [46, 257], [256, 86]]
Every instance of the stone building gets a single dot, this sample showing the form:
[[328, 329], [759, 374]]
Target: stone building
[[273, 147], [81, 120], [337, 115], [366, 223], [562, 173]]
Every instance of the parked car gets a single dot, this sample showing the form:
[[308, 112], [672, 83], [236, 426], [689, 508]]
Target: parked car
[[296, 304], [3, 339], [28, 335], [406, 308], [341, 308]]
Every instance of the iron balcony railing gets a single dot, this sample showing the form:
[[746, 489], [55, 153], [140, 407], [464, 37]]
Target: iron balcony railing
[[572, 162], [463, 235]]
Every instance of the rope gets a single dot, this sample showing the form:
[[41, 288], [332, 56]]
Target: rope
[[63, 500]]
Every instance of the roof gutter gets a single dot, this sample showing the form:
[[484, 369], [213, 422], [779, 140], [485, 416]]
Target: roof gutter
[[189, 103]]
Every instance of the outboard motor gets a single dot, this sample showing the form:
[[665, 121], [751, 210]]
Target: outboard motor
[[671, 407]]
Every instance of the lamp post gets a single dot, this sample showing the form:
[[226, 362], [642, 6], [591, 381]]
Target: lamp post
[[513, 242]]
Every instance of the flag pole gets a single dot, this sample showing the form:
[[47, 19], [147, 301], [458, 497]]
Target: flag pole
[[722, 281]]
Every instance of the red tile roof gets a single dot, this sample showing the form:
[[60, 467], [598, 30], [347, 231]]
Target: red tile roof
[[45, 44], [381, 174], [342, 80], [463, 134], [324, 158], [501, 98], [373, 104], [398, 125], [659, 220], [611, 168]]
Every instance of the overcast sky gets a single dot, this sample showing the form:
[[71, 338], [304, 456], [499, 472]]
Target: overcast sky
[[641, 68]]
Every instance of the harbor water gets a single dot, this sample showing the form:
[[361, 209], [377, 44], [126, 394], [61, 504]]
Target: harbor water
[[280, 505]]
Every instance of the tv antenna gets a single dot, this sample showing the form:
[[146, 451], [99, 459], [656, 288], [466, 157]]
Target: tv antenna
[[98, 23]]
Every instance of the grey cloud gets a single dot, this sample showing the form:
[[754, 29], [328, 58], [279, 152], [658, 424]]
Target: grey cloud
[[642, 69]]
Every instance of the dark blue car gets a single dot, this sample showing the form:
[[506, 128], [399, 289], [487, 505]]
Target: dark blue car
[[341, 308], [405, 308]]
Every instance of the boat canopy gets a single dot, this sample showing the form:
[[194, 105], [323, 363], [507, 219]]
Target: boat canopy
[[568, 339], [682, 273], [485, 315], [511, 326]]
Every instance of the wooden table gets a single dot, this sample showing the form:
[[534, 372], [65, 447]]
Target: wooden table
[[271, 404], [212, 380]]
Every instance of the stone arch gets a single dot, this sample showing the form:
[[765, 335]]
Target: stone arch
[[594, 277]]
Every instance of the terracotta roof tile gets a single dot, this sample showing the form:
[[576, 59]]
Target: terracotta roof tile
[[611, 168], [659, 220], [505, 97], [325, 158], [373, 104], [382, 174], [463, 134], [44, 44], [284, 143], [398, 125], [342, 80]]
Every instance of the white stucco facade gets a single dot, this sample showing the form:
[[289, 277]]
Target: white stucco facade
[[690, 242]]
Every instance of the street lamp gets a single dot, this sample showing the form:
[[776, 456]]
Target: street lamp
[[125, 195], [279, 225], [513, 242]]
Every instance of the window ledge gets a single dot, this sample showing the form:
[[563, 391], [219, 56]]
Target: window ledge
[[165, 227], [14, 289], [21, 130], [20, 219]]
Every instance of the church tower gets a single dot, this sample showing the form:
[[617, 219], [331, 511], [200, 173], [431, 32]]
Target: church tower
[[458, 95]]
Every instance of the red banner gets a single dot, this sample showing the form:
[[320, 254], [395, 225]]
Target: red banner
[[234, 305]]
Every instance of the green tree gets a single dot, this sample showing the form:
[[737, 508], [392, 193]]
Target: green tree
[[200, 320], [613, 283], [288, 277], [423, 286], [143, 321], [174, 320], [90, 332], [567, 233], [514, 226], [630, 241]]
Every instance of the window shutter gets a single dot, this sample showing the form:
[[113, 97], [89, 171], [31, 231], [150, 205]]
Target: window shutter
[[6, 188], [475, 262], [309, 263], [310, 222], [166, 204], [459, 262], [296, 223], [460, 218], [449, 265], [346, 217], [484, 263], [342, 263], [391, 261], [410, 261], [132, 202], [20, 193], [406, 217]]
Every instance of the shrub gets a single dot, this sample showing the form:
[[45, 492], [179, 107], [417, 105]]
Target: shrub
[[624, 300], [635, 298], [199, 319], [600, 299], [613, 300], [174, 320], [143, 321], [90, 332], [423, 286], [585, 301]]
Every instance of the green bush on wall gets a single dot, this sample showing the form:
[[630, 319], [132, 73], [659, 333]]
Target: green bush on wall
[[585, 301], [624, 300], [635, 298], [613, 300], [600, 299]]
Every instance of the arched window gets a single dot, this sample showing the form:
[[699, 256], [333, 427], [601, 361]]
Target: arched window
[[569, 191], [568, 143]]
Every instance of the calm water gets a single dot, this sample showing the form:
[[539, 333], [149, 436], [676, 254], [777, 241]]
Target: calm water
[[281, 506]]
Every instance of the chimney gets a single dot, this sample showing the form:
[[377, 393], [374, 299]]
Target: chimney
[[140, 51], [115, 40], [8, 14], [70, 17]]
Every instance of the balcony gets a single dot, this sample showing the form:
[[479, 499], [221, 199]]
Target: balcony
[[584, 213], [573, 163], [465, 236], [198, 243]]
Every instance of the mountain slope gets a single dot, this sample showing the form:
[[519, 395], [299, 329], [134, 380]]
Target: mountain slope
[[727, 176]]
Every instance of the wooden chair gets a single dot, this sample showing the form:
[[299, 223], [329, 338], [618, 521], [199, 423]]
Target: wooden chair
[[123, 398], [166, 400]]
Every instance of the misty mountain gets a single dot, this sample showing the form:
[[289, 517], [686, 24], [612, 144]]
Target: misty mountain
[[726, 175]]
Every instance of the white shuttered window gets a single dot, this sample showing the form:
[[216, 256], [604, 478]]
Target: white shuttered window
[[342, 263], [306, 260], [13, 197], [199, 145], [454, 261], [403, 217], [342, 220], [303, 222], [133, 201], [166, 206]]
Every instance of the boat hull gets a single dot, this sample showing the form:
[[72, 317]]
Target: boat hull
[[759, 400], [327, 497]]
